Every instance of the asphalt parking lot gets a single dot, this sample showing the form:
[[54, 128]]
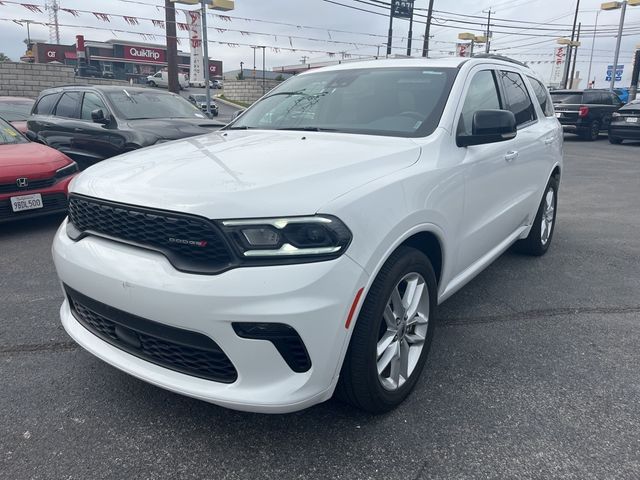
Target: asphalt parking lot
[[225, 110], [533, 372]]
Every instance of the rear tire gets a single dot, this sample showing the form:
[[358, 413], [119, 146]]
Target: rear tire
[[390, 341], [541, 234], [593, 133]]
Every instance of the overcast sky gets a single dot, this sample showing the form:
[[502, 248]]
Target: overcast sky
[[327, 18]]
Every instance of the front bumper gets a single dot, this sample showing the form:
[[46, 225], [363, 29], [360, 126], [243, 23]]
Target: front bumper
[[625, 132], [312, 298], [54, 200]]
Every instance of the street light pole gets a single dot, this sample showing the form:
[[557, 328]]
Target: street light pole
[[205, 48], [575, 56], [390, 37], [617, 53], [593, 45]]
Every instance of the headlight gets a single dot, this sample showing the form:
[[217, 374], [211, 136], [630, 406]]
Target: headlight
[[317, 236], [615, 114], [68, 170]]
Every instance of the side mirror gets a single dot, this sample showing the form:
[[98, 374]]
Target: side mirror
[[31, 136], [98, 117], [489, 126]]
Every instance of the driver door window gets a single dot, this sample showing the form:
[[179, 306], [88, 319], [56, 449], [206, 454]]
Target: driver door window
[[90, 103], [481, 95]]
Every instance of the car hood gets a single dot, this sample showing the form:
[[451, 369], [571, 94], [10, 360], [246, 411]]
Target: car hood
[[174, 128], [240, 174], [31, 160]]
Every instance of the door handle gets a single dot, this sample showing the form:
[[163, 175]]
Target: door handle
[[77, 129], [511, 156]]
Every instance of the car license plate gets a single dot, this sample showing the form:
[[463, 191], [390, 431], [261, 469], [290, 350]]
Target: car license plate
[[633, 119], [26, 202]]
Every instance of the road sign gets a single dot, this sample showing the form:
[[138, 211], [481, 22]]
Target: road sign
[[619, 72]]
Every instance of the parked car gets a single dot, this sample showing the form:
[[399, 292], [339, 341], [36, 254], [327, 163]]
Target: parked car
[[585, 112], [200, 101], [625, 123], [93, 71], [33, 178], [217, 84], [16, 110], [304, 248], [91, 123], [161, 79]]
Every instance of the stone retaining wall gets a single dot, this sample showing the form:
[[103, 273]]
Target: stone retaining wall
[[247, 91], [29, 79]]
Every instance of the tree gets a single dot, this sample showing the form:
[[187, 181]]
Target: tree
[[4, 58]]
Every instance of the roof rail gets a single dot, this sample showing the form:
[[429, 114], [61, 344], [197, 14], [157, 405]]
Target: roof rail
[[495, 56]]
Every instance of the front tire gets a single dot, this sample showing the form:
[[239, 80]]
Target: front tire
[[615, 140], [539, 239], [393, 334]]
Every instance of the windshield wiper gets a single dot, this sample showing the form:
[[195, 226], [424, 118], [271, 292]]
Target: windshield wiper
[[309, 129], [243, 127], [297, 93]]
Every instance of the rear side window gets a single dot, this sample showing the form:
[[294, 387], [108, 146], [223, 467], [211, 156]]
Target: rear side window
[[517, 98], [45, 104], [481, 95], [68, 105], [596, 98], [568, 98], [90, 103], [542, 94]]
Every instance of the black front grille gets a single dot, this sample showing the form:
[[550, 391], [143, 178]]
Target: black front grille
[[174, 348], [50, 203], [31, 185], [192, 244]]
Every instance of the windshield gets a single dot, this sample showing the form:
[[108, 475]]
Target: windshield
[[564, 97], [138, 105], [16, 110], [9, 135], [403, 102]]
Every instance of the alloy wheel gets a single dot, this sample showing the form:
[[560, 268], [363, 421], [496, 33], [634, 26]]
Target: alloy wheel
[[548, 216], [403, 332]]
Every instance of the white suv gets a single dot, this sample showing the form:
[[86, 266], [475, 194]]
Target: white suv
[[304, 248]]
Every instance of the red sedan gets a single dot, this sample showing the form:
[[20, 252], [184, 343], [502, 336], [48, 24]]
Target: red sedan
[[33, 178]]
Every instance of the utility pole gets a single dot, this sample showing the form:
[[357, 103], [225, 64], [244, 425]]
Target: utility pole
[[488, 34], [427, 30], [264, 86], [575, 57], [172, 46], [410, 34], [565, 76], [254, 61], [390, 37], [633, 91]]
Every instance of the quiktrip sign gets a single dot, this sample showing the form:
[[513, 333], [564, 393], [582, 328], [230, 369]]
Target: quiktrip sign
[[147, 54]]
